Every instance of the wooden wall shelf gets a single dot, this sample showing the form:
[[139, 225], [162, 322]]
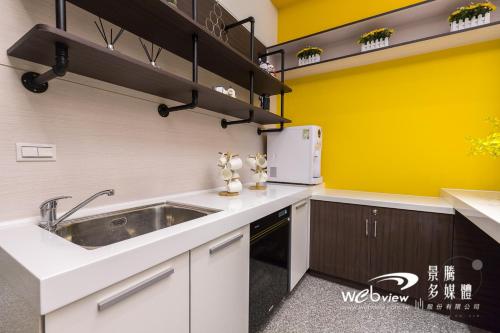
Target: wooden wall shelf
[[172, 29], [401, 50], [420, 28], [98, 62]]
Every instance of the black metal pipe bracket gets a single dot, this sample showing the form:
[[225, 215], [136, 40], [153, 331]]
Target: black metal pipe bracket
[[164, 110], [272, 130], [38, 83], [282, 95], [194, 7], [224, 123], [282, 113], [250, 20]]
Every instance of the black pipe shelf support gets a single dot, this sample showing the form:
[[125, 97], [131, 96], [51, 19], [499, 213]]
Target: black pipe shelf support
[[39, 83], [224, 123], [250, 20], [260, 131], [163, 109]]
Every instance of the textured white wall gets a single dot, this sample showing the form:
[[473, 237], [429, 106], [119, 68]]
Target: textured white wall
[[107, 136]]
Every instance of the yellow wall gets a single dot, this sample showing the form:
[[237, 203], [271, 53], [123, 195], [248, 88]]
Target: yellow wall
[[301, 18], [402, 126]]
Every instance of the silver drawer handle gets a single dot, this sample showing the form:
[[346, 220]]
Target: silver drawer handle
[[366, 227], [301, 205], [375, 233], [108, 302], [225, 243]]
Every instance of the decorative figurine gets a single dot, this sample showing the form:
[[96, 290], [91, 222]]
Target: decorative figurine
[[231, 92], [220, 89], [267, 66]]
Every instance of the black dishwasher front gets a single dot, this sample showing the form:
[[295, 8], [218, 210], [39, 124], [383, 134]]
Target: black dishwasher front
[[269, 265]]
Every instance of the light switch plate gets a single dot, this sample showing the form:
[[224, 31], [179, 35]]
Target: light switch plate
[[29, 152], [35, 152]]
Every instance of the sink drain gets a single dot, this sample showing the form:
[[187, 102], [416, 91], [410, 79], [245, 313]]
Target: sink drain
[[120, 222]]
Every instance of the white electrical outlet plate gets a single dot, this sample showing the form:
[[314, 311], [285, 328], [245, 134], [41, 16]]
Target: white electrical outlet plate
[[35, 152]]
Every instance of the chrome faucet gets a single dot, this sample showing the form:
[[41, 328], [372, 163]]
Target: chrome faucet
[[48, 210]]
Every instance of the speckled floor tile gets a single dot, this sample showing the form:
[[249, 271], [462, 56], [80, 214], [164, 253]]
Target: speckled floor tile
[[316, 306], [13, 312]]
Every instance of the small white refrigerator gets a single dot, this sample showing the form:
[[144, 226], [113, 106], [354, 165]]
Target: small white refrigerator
[[294, 155]]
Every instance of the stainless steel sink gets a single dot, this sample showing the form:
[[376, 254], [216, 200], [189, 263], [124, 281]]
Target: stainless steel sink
[[95, 231]]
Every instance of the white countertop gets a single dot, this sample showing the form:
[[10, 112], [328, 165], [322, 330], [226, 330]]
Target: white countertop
[[397, 201], [51, 272], [480, 207]]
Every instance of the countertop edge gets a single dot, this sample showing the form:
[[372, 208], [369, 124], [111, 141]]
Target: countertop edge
[[486, 223], [440, 206]]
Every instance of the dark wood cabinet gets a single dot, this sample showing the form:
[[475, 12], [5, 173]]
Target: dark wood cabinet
[[393, 245], [339, 249], [409, 241], [476, 258], [357, 243]]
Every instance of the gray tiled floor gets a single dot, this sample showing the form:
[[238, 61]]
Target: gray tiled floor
[[316, 306], [14, 312]]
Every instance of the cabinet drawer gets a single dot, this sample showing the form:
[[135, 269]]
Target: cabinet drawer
[[220, 284], [156, 300]]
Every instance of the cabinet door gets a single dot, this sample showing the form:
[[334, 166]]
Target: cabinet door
[[299, 244], [220, 284], [435, 247], [155, 301], [476, 258], [408, 241], [393, 245], [339, 240]]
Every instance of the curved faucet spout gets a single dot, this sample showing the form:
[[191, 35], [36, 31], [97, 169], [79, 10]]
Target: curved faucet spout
[[52, 224]]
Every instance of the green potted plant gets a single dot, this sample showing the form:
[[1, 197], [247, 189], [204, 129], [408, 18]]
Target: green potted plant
[[309, 55], [375, 39], [489, 145], [473, 15]]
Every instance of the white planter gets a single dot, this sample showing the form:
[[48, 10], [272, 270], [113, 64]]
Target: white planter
[[467, 23], [474, 22], [377, 44], [309, 60]]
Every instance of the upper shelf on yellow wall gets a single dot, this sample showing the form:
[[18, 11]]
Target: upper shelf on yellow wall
[[397, 51], [420, 28]]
